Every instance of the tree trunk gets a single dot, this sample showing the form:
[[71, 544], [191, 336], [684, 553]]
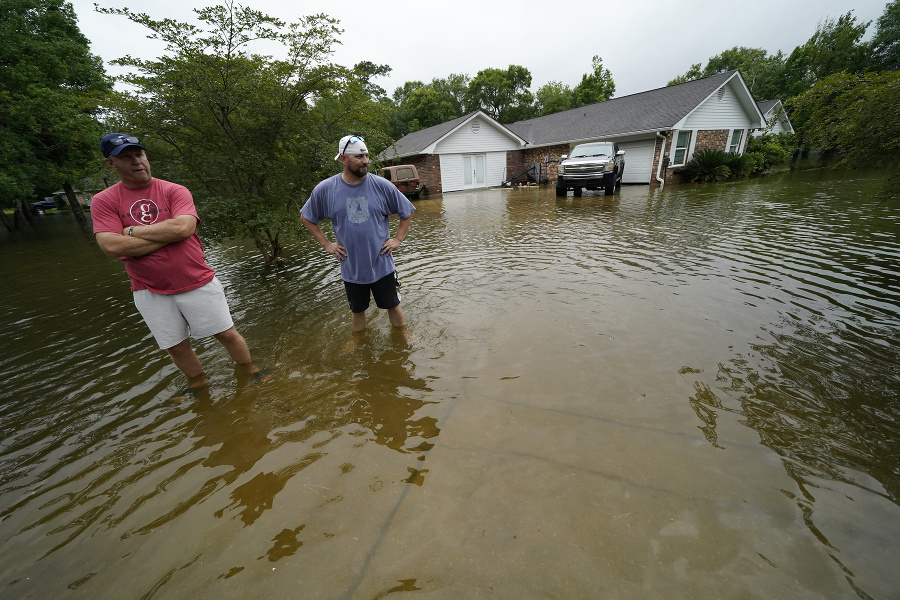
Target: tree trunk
[[74, 205], [25, 210], [7, 222]]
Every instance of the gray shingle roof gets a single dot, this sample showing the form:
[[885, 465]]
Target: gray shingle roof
[[766, 105], [657, 109], [415, 142]]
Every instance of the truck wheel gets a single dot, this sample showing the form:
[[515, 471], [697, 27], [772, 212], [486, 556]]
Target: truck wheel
[[415, 195], [611, 188], [576, 192], [561, 192]]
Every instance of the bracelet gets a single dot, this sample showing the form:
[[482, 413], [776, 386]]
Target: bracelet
[[131, 231]]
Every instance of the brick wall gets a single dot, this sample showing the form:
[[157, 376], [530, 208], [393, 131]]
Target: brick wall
[[665, 157], [429, 168], [515, 164], [716, 139], [548, 171], [517, 161]]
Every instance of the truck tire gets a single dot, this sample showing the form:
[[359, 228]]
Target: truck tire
[[561, 192], [611, 188], [576, 192]]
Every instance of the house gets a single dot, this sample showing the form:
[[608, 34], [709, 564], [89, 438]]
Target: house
[[83, 197], [659, 130], [776, 119], [471, 151]]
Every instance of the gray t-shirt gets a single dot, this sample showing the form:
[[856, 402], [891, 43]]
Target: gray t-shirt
[[359, 214]]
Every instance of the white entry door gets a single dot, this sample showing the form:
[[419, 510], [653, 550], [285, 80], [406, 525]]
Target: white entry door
[[473, 171]]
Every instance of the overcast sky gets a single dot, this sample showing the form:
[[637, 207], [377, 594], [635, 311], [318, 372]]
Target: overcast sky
[[643, 43]]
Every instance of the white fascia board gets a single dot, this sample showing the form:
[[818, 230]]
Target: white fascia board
[[430, 149], [744, 97]]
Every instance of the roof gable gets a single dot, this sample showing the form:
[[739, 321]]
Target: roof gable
[[772, 110], [425, 140]]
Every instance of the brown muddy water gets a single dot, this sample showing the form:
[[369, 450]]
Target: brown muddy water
[[681, 393]]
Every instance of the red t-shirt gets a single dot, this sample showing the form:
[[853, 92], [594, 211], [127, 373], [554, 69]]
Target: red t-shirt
[[174, 268]]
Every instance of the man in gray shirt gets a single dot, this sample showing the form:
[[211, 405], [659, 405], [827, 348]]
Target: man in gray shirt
[[359, 207]]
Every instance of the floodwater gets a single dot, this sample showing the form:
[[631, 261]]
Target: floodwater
[[681, 393]]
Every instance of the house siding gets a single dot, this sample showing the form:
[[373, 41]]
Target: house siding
[[495, 168], [466, 141], [718, 112], [451, 172]]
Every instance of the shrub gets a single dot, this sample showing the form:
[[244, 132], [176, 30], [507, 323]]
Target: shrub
[[741, 165], [774, 150], [707, 165]]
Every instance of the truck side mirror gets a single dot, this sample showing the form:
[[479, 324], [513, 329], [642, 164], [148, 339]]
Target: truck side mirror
[[620, 153], [563, 157]]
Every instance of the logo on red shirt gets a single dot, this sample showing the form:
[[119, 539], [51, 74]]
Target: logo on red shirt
[[145, 212]]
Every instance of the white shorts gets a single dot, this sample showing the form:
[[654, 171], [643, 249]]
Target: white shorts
[[172, 318]]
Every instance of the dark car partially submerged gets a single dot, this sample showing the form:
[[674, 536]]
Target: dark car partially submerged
[[45, 204], [405, 177]]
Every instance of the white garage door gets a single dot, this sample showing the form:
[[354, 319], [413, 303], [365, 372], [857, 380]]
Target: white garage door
[[638, 160]]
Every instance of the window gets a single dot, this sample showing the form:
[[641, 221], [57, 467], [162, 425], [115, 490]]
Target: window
[[405, 173], [734, 146], [681, 148]]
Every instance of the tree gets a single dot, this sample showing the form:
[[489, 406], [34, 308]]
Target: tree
[[249, 134], [553, 97], [502, 94], [693, 73], [418, 105], [835, 47], [597, 86], [761, 72], [856, 114], [50, 89], [365, 71], [885, 43]]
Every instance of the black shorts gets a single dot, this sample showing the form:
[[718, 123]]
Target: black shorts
[[384, 290]]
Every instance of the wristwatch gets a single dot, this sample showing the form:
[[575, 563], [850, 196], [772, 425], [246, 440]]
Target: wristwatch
[[131, 231]]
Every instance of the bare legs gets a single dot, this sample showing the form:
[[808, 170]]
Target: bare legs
[[395, 315], [186, 360]]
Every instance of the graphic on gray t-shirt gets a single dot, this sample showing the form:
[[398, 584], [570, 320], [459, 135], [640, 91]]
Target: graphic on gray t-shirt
[[357, 209]]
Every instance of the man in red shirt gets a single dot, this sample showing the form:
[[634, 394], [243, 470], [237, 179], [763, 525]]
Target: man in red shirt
[[151, 225]]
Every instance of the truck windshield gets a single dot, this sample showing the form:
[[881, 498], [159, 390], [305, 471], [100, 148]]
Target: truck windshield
[[588, 150]]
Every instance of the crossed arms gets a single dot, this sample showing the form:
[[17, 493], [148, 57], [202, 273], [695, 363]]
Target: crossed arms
[[145, 239]]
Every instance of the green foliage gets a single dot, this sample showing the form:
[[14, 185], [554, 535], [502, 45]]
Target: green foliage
[[769, 151], [707, 166], [365, 72], [50, 88], [502, 94], [885, 44], [761, 71], [553, 97], [597, 86], [855, 114], [835, 47], [695, 72], [418, 105], [249, 134], [742, 165]]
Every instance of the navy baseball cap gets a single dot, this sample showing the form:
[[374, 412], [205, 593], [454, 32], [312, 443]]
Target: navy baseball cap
[[113, 143]]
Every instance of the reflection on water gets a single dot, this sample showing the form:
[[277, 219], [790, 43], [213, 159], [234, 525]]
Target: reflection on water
[[690, 391]]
